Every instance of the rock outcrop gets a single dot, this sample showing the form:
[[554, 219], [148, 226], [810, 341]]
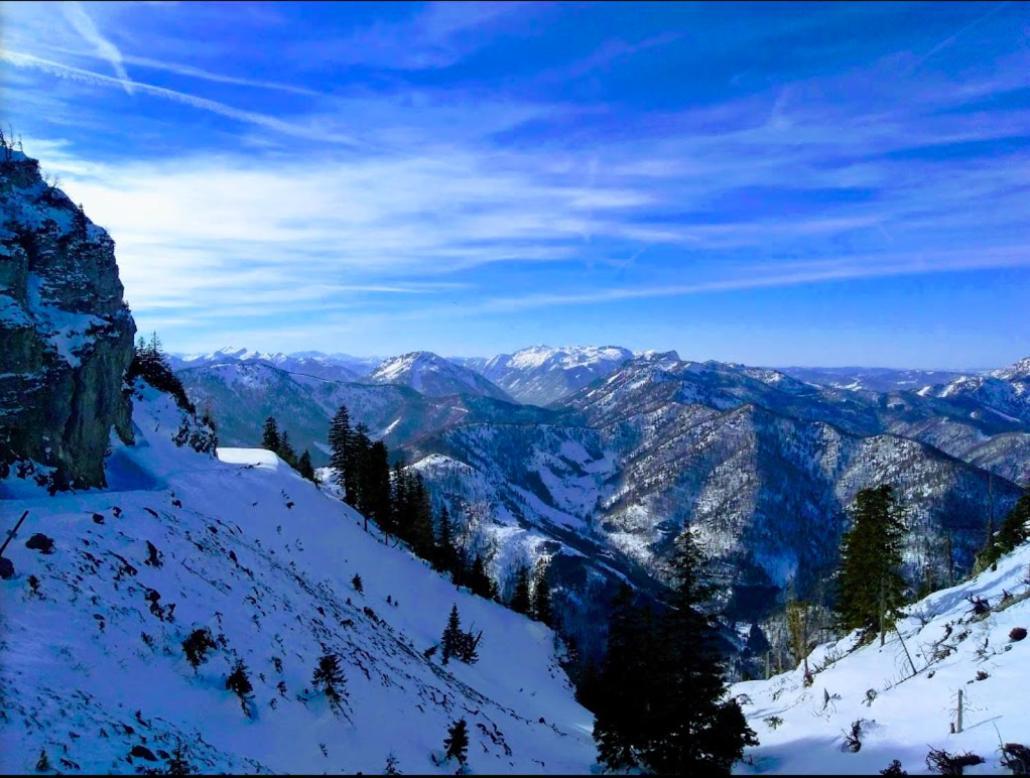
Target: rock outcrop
[[66, 334]]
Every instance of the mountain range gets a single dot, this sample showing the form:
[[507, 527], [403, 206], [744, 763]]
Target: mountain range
[[594, 459]]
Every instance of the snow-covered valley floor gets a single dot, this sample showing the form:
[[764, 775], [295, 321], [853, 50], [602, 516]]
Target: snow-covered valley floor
[[91, 658], [903, 715]]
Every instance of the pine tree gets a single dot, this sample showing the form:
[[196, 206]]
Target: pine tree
[[446, 556], [375, 492], [239, 684], [622, 694], [870, 586], [329, 677], [520, 600], [1014, 531], [457, 741], [421, 534], [542, 598], [270, 435], [340, 445], [358, 472], [452, 636], [691, 730], [304, 466], [479, 581], [179, 762], [391, 767], [285, 450], [196, 646], [356, 582]]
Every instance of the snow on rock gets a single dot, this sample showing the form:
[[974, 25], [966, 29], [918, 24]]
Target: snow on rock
[[902, 715], [91, 665], [255, 457], [541, 375], [434, 376]]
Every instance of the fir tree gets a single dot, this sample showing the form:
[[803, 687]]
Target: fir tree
[[285, 450], [304, 466], [359, 587], [340, 445], [329, 677], [520, 601], [479, 582], [178, 762], [270, 435], [446, 557], [374, 500], [453, 636], [623, 694], [692, 731], [239, 684], [457, 741], [197, 645], [542, 598], [870, 586], [1014, 531], [391, 767], [421, 533]]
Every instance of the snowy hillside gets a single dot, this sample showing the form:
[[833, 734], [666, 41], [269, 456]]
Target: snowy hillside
[[434, 376], [542, 375], [91, 659], [902, 715]]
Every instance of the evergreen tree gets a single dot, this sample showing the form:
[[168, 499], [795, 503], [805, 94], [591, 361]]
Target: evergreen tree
[[391, 767], [239, 684], [446, 557], [358, 472], [453, 636], [692, 731], [374, 500], [622, 694], [329, 677], [340, 446], [520, 600], [421, 508], [542, 598], [870, 586], [304, 466], [479, 581], [457, 741], [285, 450], [1014, 531], [270, 435], [196, 646]]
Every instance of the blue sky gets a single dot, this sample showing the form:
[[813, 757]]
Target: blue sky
[[767, 183]]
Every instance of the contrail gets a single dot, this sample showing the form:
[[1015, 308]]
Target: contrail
[[83, 24]]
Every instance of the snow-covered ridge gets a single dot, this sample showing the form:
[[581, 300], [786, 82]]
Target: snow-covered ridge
[[905, 694], [434, 376], [91, 634]]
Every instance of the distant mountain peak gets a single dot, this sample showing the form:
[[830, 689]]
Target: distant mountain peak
[[434, 376]]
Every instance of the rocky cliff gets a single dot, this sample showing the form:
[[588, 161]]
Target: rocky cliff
[[66, 334]]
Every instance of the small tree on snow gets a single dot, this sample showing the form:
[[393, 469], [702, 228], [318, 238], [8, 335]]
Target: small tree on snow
[[197, 645], [239, 684], [359, 587], [452, 635], [391, 767], [457, 741], [329, 677]]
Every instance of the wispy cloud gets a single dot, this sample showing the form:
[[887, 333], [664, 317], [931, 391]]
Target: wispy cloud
[[83, 24], [308, 132]]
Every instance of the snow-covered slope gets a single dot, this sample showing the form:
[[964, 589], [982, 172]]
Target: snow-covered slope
[[542, 375], [901, 714], [91, 664], [434, 376]]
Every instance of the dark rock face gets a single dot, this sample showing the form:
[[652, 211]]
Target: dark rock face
[[66, 334]]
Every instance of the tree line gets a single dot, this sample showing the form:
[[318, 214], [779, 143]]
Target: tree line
[[396, 499]]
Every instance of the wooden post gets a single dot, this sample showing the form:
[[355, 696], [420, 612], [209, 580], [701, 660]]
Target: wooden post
[[913, 664], [13, 532], [958, 726]]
